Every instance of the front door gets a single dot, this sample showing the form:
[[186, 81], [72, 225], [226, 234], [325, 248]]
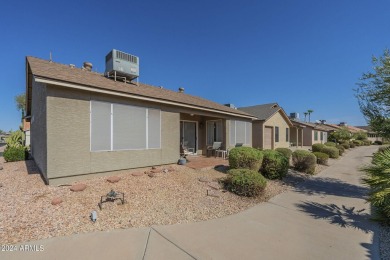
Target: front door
[[188, 133]]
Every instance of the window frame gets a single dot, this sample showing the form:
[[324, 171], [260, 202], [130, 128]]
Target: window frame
[[276, 134], [112, 128]]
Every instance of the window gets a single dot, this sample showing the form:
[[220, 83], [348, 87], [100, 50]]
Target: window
[[276, 134], [214, 131], [315, 135], [122, 127], [321, 136], [287, 133], [240, 132]]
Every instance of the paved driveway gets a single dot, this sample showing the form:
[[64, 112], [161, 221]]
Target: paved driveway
[[323, 218]]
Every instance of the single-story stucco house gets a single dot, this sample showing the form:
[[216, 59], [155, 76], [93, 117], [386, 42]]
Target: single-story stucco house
[[312, 133], [371, 135], [271, 129], [83, 122]]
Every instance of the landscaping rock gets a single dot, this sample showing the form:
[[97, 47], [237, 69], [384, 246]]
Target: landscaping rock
[[56, 201], [155, 171], [152, 174], [212, 193], [1, 185], [165, 171], [215, 185], [137, 173], [154, 168], [1, 167], [203, 179], [78, 187], [113, 179], [171, 169]]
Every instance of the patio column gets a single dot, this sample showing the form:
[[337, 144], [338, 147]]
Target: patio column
[[302, 138], [297, 137]]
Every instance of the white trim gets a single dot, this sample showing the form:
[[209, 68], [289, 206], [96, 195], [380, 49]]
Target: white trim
[[147, 128], [92, 89]]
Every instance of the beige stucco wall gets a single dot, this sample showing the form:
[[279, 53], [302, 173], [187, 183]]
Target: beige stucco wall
[[257, 134], [39, 127], [68, 138], [309, 136], [277, 120]]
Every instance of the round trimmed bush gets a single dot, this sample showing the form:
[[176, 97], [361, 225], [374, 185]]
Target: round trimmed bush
[[333, 152], [245, 157], [367, 142], [322, 158], [275, 165], [333, 144], [357, 142], [341, 149], [318, 147], [245, 182], [13, 154], [351, 144], [378, 142], [346, 145], [304, 161], [285, 151]]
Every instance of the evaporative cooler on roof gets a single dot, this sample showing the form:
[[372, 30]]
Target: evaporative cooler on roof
[[122, 66]]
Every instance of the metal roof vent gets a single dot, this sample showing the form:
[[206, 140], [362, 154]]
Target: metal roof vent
[[181, 90], [121, 66], [87, 66], [294, 115]]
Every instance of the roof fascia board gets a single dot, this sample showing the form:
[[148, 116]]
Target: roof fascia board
[[76, 86]]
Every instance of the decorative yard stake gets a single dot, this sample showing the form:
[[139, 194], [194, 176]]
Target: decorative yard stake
[[111, 196]]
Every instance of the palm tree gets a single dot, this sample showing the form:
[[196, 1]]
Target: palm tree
[[378, 179], [305, 113], [309, 111]]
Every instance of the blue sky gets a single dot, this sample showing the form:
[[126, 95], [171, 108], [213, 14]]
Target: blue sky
[[302, 54]]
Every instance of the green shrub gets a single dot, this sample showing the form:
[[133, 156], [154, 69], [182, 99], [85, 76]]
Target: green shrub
[[358, 142], [304, 161], [245, 182], [322, 158], [367, 142], [13, 154], [285, 151], [245, 157], [352, 145], [333, 144], [377, 142], [383, 148], [341, 149], [346, 145], [318, 147], [377, 177], [15, 139], [275, 165], [333, 152]]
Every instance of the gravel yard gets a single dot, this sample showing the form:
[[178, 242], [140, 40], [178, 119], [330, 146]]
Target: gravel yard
[[26, 212]]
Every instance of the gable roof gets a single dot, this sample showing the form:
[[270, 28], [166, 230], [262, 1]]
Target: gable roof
[[64, 75], [265, 111]]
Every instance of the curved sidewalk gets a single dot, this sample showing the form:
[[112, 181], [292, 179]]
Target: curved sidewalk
[[325, 217]]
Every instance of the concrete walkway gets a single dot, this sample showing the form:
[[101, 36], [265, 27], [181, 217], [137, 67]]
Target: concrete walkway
[[324, 218]]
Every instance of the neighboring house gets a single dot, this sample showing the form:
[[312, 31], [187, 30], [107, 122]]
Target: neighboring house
[[312, 133], [271, 129], [371, 135], [84, 123]]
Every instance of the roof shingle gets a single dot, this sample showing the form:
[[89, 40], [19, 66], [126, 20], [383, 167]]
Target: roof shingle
[[64, 73]]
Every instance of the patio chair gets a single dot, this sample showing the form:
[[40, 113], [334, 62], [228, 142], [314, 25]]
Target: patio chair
[[213, 148]]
